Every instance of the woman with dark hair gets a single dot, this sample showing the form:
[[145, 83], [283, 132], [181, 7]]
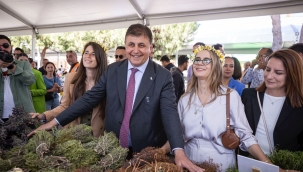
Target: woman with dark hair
[[275, 109], [53, 86], [93, 64], [237, 69], [230, 68], [202, 111]]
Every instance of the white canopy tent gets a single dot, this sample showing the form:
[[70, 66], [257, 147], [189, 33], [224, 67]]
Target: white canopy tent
[[30, 17]]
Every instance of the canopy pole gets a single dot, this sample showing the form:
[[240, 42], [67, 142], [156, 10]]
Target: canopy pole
[[33, 44]]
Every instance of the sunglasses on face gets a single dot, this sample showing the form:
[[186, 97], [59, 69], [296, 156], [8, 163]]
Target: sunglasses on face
[[120, 56], [5, 45], [205, 61]]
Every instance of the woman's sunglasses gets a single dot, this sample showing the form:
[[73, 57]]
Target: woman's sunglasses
[[120, 56], [5, 45]]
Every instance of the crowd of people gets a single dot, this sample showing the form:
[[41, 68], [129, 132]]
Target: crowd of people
[[146, 104]]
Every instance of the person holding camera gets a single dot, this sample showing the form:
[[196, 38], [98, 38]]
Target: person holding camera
[[53, 86], [254, 77], [16, 77]]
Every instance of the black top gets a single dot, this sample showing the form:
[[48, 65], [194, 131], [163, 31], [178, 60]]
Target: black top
[[179, 83], [169, 66], [42, 70]]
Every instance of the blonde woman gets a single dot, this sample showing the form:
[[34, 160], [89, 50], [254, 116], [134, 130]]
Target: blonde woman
[[202, 111]]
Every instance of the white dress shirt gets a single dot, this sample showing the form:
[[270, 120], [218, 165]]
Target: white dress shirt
[[138, 76], [8, 103]]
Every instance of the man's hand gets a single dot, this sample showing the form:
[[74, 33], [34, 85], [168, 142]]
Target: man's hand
[[183, 161], [4, 64], [46, 126]]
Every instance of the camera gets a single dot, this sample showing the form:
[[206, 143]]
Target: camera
[[8, 58]]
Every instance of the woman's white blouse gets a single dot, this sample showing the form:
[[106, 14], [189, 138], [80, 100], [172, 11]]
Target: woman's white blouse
[[210, 121]]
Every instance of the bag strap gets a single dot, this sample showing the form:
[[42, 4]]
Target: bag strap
[[228, 111], [264, 123]]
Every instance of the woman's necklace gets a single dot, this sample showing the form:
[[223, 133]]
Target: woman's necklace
[[196, 110], [273, 102]]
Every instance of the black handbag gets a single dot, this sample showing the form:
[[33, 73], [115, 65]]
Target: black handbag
[[49, 96]]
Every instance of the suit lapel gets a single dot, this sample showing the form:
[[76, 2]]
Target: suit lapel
[[121, 81], [256, 109], [285, 111], [148, 78]]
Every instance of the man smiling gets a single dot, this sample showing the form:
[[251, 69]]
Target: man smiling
[[140, 100]]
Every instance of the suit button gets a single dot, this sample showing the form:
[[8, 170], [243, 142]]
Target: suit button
[[120, 122]]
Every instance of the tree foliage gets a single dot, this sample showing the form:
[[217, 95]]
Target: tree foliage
[[170, 38], [24, 42], [167, 38]]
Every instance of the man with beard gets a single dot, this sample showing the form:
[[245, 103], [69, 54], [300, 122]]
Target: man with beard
[[15, 79]]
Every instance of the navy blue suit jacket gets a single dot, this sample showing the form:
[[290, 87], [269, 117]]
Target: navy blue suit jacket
[[154, 116]]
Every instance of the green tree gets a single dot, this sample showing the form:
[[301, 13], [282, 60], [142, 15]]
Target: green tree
[[23, 42], [47, 41], [170, 38]]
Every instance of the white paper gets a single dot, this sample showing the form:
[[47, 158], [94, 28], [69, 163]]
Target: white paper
[[246, 164]]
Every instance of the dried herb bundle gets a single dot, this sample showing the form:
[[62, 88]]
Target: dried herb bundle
[[209, 166], [6, 165], [14, 131], [112, 160], [82, 133], [67, 150], [40, 143], [148, 156], [106, 143], [76, 154], [161, 167], [57, 162]]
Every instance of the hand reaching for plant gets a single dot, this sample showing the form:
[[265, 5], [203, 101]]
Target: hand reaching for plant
[[36, 115], [46, 126]]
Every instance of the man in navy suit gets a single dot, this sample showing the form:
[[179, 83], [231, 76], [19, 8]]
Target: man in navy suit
[[154, 117]]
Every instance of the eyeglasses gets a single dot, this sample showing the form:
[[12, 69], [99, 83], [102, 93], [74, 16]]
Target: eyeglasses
[[5, 45], [120, 56], [205, 61]]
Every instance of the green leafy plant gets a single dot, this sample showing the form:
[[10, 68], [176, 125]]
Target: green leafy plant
[[287, 160]]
